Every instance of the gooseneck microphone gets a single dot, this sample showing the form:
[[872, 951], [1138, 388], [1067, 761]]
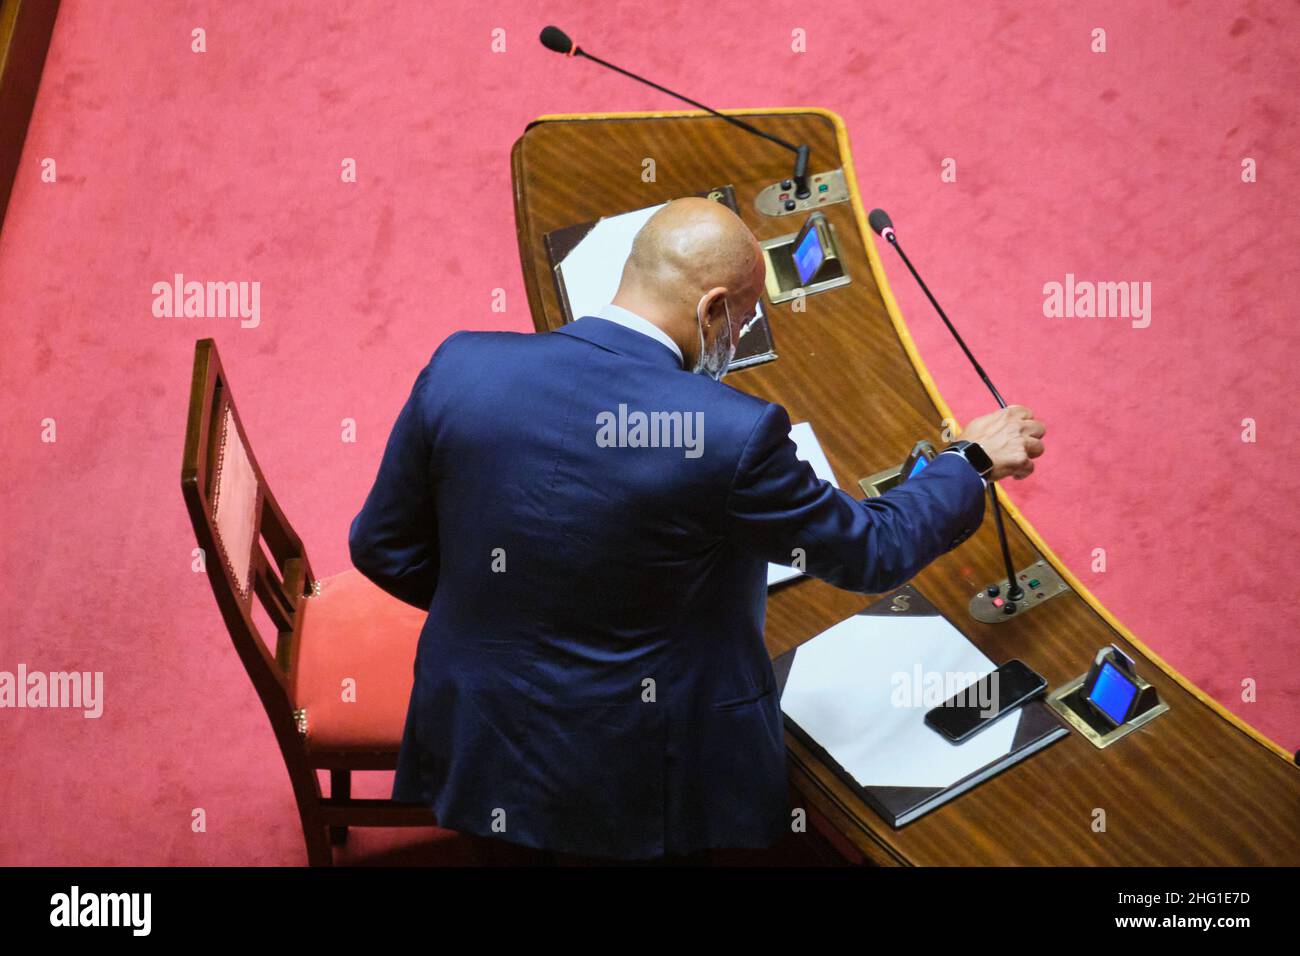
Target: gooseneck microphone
[[884, 227], [553, 38]]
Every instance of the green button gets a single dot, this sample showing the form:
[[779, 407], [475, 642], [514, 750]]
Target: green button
[[1033, 582], [822, 188]]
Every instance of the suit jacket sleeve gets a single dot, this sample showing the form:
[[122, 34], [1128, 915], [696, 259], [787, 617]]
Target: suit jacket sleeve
[[781, 510], [394, 538]]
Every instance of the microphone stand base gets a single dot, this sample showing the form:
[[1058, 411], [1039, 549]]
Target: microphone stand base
[[1039, 582], [824, 189]]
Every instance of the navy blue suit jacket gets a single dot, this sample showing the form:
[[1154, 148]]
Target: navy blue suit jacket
[[592, 676]]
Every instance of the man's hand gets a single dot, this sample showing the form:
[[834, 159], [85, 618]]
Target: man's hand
[[1012, 437]]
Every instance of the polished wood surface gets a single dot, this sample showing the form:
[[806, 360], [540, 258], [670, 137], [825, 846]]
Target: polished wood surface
[[1189, 788], [26, 27]]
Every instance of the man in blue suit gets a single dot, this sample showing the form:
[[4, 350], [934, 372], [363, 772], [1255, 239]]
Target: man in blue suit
[[588, 516]]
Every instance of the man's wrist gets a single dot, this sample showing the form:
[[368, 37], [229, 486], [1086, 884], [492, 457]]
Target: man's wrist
[[974, 455]]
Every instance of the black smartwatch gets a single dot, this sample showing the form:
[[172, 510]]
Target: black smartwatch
[[976, 456]]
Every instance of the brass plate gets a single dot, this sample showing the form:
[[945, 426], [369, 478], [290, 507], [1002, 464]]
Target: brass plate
[[770, 203], [1050, 585], [873, 486], [1063, 701], [781, 281]]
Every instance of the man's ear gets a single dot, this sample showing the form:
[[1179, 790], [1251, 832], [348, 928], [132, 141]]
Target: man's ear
[[715, 309]]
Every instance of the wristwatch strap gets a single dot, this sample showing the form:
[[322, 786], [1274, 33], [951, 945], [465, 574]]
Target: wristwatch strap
[[960, 448]]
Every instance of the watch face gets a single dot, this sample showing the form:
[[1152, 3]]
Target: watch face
[[978, 457]]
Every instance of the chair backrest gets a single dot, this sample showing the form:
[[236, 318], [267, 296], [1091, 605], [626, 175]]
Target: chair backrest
[[250, 550]]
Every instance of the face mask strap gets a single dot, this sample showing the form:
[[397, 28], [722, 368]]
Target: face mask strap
[[731, 346], [700, 322]]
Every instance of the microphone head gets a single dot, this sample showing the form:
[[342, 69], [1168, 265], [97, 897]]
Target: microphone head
[[553, 38], [880, 221]]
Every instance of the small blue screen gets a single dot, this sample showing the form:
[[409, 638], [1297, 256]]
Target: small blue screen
[[1113, 692], [921, 462], [808, 257]]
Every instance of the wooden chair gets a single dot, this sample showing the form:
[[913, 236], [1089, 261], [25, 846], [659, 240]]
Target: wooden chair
[[327, 632]]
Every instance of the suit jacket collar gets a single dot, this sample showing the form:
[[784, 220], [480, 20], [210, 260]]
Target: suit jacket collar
[[620, 339]]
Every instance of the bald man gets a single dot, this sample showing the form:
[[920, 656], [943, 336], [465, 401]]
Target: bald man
[[588, 516]]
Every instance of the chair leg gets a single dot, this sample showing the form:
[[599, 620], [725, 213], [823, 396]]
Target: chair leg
[[340, 789], [316, 835], [306, 793]]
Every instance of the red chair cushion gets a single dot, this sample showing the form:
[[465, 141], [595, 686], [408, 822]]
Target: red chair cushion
[[354, 630]]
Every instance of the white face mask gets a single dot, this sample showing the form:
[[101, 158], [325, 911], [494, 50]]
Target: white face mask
[[713, 361]]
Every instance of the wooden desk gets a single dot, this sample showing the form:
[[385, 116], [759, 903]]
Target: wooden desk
[[26, 27], [1196, 786]]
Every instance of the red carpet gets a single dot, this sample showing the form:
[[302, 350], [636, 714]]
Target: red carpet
[[1116, 166]]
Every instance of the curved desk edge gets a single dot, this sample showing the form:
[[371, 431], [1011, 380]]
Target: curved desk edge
[[922, 373]]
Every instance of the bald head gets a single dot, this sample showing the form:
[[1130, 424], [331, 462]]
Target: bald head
[[687, 248], [692, 249]]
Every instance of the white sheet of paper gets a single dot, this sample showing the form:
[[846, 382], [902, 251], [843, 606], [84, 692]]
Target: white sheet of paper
[[841, 688], [808, 449]]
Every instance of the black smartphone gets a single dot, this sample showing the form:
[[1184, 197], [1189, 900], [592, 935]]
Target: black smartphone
[[981, 704]]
